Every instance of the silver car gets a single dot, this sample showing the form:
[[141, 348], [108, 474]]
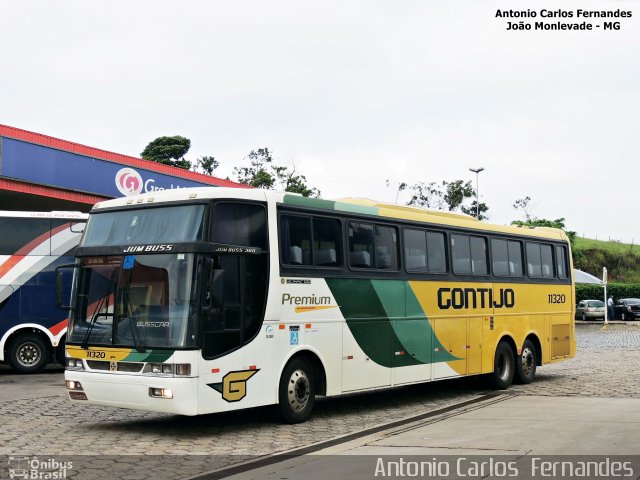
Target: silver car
[[590, 309]]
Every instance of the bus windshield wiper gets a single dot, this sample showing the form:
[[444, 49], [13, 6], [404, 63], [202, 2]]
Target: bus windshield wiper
[[102, 303], [94, 319]]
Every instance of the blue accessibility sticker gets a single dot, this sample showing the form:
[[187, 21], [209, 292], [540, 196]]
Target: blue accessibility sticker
[[129, 262], [293, 338]]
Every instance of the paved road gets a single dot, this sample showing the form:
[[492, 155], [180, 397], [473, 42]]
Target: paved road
[[37, 418]]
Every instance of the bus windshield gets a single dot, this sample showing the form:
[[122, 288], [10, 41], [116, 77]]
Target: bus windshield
[[181, 223], [136, 301]]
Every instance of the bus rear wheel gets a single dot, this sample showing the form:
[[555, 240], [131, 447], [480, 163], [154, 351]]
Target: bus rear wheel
[[297, 391], [28, 353], [526, 363], [504, 366]]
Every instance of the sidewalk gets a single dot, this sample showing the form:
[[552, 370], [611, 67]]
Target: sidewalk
[[509, 428]]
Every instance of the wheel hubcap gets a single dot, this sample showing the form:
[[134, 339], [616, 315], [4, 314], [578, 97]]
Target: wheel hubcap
[[528, 361], [298, 391], [28, 354]]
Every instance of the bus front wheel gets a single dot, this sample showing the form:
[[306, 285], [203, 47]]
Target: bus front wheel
[[297, 391], [526, 363], [504, 366], [28, 353]]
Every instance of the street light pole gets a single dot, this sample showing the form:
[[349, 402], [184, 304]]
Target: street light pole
[[477, 171]]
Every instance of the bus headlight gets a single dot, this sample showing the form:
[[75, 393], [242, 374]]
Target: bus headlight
[[74, 363], [183, 369], [160, 392], [156, 368]]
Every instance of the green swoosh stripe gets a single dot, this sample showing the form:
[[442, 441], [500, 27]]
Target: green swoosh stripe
[[382, 325], [158, 356]]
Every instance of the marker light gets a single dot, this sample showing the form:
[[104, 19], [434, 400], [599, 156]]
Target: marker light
[[183, 369]]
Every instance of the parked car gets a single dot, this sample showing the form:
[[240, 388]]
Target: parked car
[[590, 309], [627, 308]]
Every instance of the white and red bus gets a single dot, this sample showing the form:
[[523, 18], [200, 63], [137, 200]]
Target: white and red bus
[[32, 245]]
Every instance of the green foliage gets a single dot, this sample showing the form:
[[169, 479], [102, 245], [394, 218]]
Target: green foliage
[[263, 173], [446, 195], [622, 264], [476, 211], [457, 192], [542, 222], [207, 164], [523, 204], [585, 291], [168, 151]]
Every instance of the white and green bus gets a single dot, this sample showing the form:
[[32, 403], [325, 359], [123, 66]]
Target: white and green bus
[[195, 301]]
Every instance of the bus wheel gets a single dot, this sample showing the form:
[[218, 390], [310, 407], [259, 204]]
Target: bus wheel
[[504, 366], [526, 363], [28, 353], [297, 391]]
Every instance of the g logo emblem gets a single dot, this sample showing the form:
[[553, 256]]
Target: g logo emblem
[[234, 385], [128, 181]]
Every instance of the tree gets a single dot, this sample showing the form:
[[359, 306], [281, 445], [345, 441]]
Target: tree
[[426, 195], [456, 193], [263, 173], [523, 204], [398, 186], [207, 164], [257, 174], [543, 222], [168, 151], [447, 196], [476, 210]]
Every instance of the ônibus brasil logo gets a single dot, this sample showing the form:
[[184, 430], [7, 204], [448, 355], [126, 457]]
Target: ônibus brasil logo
[[128, 181]]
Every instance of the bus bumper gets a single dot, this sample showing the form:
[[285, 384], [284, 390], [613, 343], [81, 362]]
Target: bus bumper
[[138, 392]]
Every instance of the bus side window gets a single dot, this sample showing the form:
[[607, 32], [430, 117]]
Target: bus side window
[[515, 258], [561, 261], [478, 255], [327, 242], [415, 250], [361, 245], [546, 257], [17, 233], [242, 224], [461, 254], [437, 256], [386, 241], [534, 262], [295, 235]]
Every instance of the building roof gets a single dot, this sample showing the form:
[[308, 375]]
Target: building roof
[[77, 148]]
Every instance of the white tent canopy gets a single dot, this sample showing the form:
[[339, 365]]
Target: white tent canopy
[[584, 277]]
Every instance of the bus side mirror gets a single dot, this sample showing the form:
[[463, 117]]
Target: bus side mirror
[[60, 285]]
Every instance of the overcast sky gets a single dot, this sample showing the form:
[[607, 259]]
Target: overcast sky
[[353, 92]]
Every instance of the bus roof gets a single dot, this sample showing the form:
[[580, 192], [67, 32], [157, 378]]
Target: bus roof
[[52, 214], [352, 205]]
